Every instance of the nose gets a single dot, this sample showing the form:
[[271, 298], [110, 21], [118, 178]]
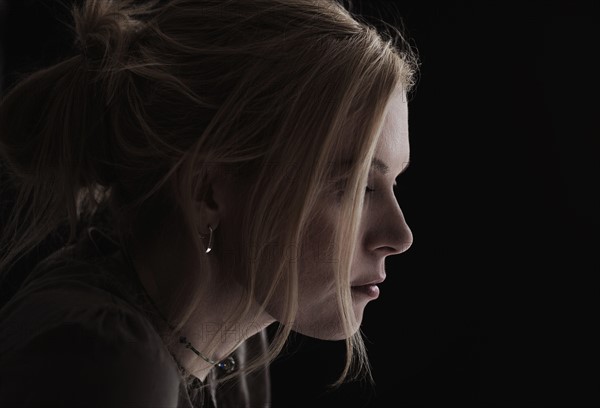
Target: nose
[[390, 235], [406, 242]]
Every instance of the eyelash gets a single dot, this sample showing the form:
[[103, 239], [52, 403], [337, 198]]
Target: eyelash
[[371, 189], [368, 189]]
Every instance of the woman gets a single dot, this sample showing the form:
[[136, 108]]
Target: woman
[[222, 166]]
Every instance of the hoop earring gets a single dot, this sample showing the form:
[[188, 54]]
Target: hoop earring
[[210, 239]]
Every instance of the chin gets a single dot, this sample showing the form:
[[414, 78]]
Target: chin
[[328, 329]]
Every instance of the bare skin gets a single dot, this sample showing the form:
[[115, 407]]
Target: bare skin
[[383, 232]]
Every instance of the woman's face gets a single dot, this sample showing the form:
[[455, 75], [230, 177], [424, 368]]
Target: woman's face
[[383, 232]]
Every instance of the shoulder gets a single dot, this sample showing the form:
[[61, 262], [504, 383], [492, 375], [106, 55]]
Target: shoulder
[[100, 356]]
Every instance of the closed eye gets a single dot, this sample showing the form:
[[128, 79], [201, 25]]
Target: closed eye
[[341, 184]]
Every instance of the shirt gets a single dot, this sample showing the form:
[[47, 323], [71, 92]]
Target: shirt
[[82, 332]]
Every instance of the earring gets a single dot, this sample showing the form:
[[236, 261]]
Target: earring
[[210, 239]]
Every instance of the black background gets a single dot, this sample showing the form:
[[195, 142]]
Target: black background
[[495, 304]]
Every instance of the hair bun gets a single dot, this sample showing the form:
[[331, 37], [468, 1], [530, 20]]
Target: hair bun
[[104, 28]]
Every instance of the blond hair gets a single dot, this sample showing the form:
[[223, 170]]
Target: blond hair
[[160, 93]]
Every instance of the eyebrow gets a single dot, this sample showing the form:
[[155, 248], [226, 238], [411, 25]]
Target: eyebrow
[[383, 168], [377, 165], [380, 166]]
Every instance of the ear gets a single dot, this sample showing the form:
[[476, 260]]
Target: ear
[[214, 198]]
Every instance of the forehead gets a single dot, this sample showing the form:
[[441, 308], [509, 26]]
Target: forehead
[[392, 150], [393, 143]]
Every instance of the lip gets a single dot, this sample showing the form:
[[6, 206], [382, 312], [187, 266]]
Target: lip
[[376, 281], [368, 288], [371, 290]]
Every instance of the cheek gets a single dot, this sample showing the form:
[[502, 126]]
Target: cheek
[[317, 255], [315, 261], [318, 314], [317, 284]]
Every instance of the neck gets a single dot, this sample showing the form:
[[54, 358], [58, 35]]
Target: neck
[[215, 339], [159, 267]]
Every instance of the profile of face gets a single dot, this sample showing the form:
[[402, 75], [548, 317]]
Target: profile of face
[[383, 232]]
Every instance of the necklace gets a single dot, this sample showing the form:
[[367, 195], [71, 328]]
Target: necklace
[[228, 365]]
